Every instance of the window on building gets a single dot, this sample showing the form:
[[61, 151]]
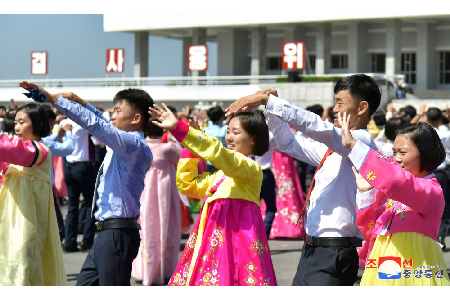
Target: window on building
[[274, 63], [312, 61], [339, 61], [444, 67], [408, 67], [378, 63]]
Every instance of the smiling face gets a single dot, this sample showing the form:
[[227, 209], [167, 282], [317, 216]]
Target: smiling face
[[407, 155], [344, 102], [237, 138], [24, 127], [124, 116]]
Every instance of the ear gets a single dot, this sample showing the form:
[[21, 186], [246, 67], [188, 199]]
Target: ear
[[363, 108], [137, 118]]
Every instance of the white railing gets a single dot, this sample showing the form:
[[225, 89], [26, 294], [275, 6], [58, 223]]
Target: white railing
[[176, 81]]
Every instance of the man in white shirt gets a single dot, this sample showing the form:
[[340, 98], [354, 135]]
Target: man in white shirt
[[80, 178], [329, 255]]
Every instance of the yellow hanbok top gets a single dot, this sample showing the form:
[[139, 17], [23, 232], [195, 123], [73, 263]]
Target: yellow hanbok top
[[30, 247]]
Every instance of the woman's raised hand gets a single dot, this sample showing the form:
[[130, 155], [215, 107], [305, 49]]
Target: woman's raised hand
[[165, 117], [361, 183], [347, 139]]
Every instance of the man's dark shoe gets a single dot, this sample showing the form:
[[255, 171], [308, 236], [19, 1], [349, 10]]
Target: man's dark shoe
[[85, 246], [70, 248]]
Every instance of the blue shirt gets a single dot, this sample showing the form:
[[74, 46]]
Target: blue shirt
[[58, 149], [124, 168], [217, 132]]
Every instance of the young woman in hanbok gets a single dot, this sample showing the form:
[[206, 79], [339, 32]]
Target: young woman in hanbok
[[402, 203], [228, 245], [30, 247]]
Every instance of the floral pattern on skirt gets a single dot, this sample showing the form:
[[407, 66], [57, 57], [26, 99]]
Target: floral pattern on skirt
[[233, 250]]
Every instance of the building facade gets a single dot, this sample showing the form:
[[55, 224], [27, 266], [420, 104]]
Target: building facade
[[414, 43]]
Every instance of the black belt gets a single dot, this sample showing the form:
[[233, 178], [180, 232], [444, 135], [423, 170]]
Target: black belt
[[333, 241], [117, 223], [80, 162]]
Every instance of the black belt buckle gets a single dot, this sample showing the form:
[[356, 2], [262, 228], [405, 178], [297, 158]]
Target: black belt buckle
[[99, 225], [310, 240]]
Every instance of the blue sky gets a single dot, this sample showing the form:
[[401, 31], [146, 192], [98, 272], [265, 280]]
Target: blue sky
[[76, 46]]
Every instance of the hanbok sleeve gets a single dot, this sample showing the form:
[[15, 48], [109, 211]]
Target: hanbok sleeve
[[369, 206], [232, 163], [189, 182], [23, 153], [388, 177]]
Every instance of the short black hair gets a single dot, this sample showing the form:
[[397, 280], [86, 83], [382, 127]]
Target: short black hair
[[254, 123], [215, 113], [8, 125], [36, 113], [409, 110], [427, 142], [379, 118], [390, 129], [152, 129], [316, 108], [51, 116], [138, 99], [1, 106], [362, 88], [331, 113], [434, 115]]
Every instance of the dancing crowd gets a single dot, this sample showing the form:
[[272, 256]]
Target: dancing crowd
[[132, 176]]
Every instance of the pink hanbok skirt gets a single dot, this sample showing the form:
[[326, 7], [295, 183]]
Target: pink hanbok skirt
[[233, 249]]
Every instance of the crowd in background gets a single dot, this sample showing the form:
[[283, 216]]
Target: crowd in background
[[283, 193]]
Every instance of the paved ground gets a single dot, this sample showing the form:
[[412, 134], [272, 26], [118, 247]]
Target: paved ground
[[285, 257]]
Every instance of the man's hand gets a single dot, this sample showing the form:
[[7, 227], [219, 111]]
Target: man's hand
[[422, 108], [268, 92], [248, 103], [347, 139], [166, 119], [61, 132], [14, 103], [74, 98], [51, 98], [67, 127], [361, 183]]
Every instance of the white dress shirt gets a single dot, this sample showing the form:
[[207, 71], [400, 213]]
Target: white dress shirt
[[384, 146], [265, 161], [332, 203], [80, 138], [444, 135]]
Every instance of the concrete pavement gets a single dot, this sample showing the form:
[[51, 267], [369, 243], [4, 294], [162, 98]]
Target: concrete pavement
[[285, 256]]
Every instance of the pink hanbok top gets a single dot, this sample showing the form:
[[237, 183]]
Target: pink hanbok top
[[399, 202]]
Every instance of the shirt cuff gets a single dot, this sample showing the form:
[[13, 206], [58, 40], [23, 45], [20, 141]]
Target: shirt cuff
[[365, 199], [358, 154], [180, 131], [273, 105]]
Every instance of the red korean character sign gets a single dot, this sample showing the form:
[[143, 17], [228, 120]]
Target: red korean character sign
[[198, 58], [115, 60], [293, 56], [39, 62]]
